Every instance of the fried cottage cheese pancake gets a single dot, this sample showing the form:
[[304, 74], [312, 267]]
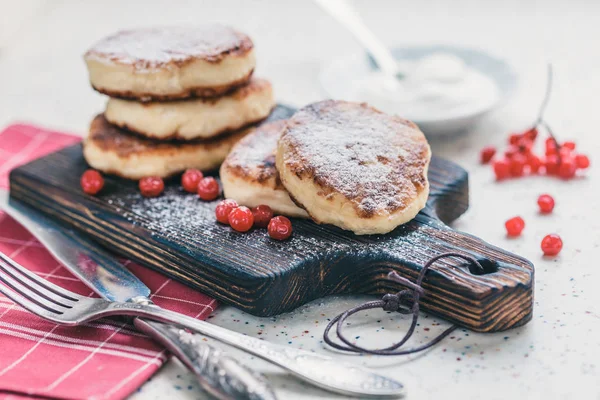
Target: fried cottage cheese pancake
[[115, 151], [248, 174], [350, 165], [171, 63], [194, 118]]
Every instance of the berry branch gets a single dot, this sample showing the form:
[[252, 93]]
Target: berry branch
[[520, 158], [540, 119], [546, 97]]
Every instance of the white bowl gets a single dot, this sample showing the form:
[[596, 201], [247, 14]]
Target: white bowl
[[336, 76]]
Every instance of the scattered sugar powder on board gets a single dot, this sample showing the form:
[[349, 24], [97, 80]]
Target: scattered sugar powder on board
[[170, 214], [177, 216]]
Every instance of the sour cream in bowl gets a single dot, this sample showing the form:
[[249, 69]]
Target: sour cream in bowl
[[442, 89]]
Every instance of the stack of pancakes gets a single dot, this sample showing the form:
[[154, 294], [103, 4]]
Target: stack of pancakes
[[179, 98], [336, 162]]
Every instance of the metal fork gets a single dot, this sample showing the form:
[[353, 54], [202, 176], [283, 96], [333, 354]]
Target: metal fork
[[218, 374], [62, 306]]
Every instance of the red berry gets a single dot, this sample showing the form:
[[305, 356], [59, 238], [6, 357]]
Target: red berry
[[208, 188], [487, 153], [550, 152], [569, 145], [546, 203], [514, 138], [501, 169], [517, 165], [92, 182], [525, 145], [567, 168], [280, 228], [224, 208], [582, 161], [514, 226], [552, 244], [551, 149], [190, 180], [551, 145], [564, 152], [511, 151], [531, 134], [551, 164], [534, 163], [262, 215], [151, 186], [241, 219]]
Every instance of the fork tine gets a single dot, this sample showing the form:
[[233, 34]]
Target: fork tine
[[62, 292], [29, 295], [22, 287], [19, 299]]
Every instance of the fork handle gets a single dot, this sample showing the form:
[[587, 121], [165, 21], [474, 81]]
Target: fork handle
[[319, 370], [219, 375]]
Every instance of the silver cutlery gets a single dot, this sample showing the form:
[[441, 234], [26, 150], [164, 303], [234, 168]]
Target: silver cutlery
[[126, 297], [218, 374], [221, 376]]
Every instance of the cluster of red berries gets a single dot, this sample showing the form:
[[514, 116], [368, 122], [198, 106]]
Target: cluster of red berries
[[519, 159], [192, 181], [551, 244], [242, 219]]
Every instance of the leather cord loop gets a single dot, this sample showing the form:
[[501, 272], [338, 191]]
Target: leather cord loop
[[406, 301]]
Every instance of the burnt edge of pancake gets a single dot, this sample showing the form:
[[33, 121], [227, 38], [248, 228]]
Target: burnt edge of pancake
[[262, 167], [205, 93], [125, 143], [242, 47], [414, 165]]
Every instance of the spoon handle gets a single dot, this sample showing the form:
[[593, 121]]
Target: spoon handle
[[349, 17], [322, 371], [218, 374]]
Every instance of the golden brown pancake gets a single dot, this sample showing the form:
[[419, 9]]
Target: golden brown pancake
[[171, 63], [115, 151], [353, 166], [194, 118], [248, 174]]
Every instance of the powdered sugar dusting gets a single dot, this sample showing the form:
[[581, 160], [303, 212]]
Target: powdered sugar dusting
[[257, 150], [378, 162], [253, 157], [181, 221], [157, 46]]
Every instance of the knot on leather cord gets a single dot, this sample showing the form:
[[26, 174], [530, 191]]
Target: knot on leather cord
[[391, 302], [405, 301]]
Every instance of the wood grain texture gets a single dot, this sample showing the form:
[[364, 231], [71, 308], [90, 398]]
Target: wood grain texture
[[177, 234]]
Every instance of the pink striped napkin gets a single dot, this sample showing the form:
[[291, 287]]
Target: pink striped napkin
[[100, 360]]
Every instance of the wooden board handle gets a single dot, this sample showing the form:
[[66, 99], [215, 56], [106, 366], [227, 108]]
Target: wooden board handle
[[498, 299]]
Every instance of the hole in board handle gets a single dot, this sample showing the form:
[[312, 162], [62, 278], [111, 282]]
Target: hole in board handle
[[489, 266]]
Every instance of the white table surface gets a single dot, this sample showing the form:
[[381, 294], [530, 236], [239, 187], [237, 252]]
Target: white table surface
[[43, 80]]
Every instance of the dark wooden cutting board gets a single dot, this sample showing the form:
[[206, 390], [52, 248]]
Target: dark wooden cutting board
[[177, 234]]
